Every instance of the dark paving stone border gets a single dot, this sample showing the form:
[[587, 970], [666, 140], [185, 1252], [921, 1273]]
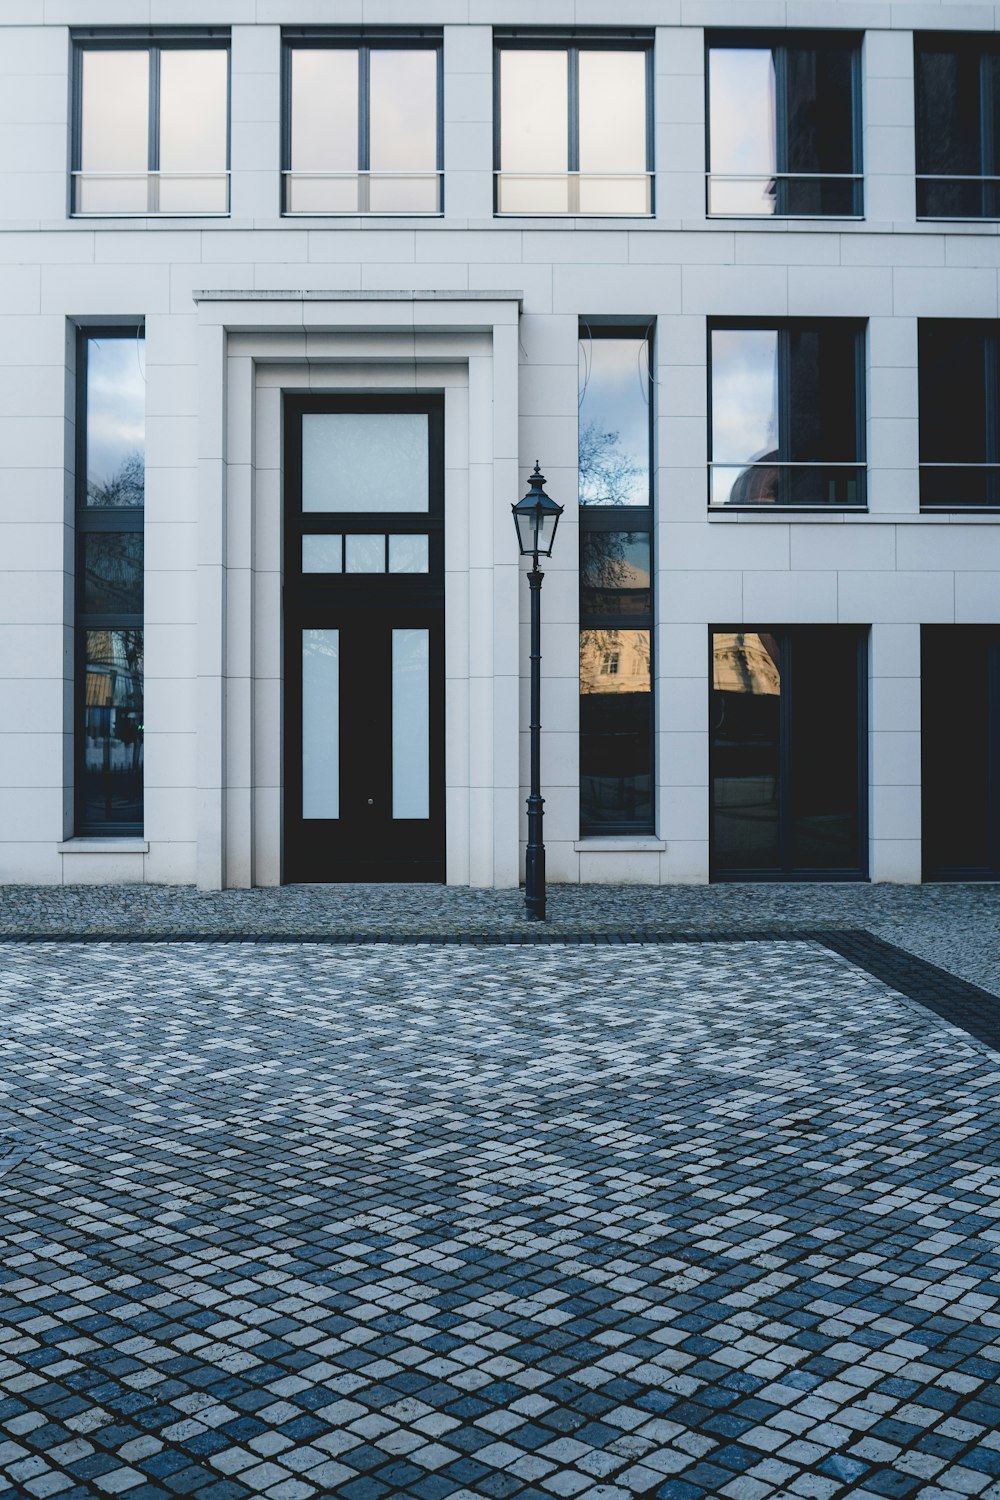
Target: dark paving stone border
[[972, 1009]]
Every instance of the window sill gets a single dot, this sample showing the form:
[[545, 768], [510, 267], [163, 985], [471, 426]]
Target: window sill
[[109, 845], [621, 844]]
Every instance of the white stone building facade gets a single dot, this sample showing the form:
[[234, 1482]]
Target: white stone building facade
[[245, 310]]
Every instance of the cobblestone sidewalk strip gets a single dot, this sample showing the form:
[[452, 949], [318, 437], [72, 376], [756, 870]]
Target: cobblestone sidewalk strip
[[445, 1222], [956, 927]]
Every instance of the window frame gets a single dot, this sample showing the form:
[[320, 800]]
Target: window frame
[[154, 42], [364, 40], [572, 43], [784, 326], [734, 39], [982, 44], [90, 520], [989, 328], [789, 636], [628, 518]]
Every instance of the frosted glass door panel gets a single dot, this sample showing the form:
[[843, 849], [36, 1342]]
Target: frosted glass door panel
[[321, 724], [410, 724], [364, 461], [408, 554], [322, 553]]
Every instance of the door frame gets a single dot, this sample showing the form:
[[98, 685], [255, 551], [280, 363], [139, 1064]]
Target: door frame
[[341, 601]]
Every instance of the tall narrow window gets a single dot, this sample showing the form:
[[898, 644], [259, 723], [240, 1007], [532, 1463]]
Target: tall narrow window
[[152, 126], [958, 126], [960, 749], [363, 126], [959, 369], [787, 752], [616, 572], [783, 125], [110, 486], [787, 414], [573, 126]]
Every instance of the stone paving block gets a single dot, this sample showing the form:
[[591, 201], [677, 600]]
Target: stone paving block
[[451, 1222]]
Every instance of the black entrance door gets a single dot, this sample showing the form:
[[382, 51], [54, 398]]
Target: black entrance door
[[364, 639], [960, 741]]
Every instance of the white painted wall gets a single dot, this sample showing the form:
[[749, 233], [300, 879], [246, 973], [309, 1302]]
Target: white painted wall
[[891, 569]]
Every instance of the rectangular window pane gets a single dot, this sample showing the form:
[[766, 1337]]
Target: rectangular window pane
[[614, 434], [115, 433], [742, 126], [614, 573], [616, 782], [746, 688], [960, 764], [949, 131], [410, 724], [820, 109], [612, 112], [114, 132], [112, 731], [320, 724], [364, 461], [403, 108], [112, 572], [194, 128], [408, 554], [322, 553], [324, 109], [956, 415], [534, 131], [744, 413], [364, 553], [823, 715], [822, 394]]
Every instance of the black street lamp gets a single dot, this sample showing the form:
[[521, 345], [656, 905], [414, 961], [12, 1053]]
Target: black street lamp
[[536, 518]]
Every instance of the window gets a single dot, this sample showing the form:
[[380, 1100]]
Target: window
[[616, 598], [110, 485], [152, 126], [573, 126], [787, 424], [958, 126], [788, 738], [784, 126], [960, 748], [363, 125], [959, 365]]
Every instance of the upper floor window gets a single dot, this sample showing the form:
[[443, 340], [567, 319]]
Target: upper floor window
[[958, 126], [363, 125], [784, 125], [573, 130], [959, 369], [787, 413], [152, 126]]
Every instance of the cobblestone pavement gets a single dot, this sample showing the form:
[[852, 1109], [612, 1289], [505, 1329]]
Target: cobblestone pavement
[[955, 926], [452, 1222]]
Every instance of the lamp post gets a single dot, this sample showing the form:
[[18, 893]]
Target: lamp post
[[535, 518]]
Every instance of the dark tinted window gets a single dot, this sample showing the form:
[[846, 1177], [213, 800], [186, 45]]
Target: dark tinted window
[[787, 414], [957, 119], [783, 128], [959, 449], [960, 743], [786, 752]]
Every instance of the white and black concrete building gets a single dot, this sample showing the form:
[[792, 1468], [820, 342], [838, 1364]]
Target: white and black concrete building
[[293, 293]]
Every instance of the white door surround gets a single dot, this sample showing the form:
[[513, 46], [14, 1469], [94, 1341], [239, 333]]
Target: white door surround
[[253, 346]]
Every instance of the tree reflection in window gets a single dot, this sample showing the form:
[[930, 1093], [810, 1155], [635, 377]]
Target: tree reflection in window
[[616, 600]]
